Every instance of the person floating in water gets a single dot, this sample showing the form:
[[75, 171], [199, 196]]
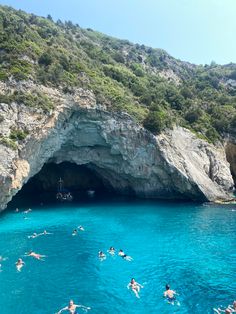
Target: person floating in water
[[27, 211], [17, 210], [72, 307], [135, 286], [34, 235], [81, 228], [101, 255], [170, 294], [228, 310], [2, 259], [35, 255], [125, 256], [112, 250], [75, 232], [19, 264]]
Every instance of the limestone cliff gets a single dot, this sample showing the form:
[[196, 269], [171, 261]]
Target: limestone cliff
[[175, 164]]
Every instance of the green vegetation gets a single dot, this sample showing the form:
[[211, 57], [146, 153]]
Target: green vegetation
[[8, 142], [124, 76], [34, 100], [18, 135]]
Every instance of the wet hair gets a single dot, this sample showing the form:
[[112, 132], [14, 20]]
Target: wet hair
[[167, 287]]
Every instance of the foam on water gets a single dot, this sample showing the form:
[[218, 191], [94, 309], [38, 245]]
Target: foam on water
[[192, 247]]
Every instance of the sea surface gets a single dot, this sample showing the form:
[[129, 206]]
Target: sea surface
[[190, 246]]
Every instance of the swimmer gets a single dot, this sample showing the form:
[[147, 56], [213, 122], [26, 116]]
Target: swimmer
[[17, 210], [125, 256], [112, 250], [101, 255], [135, 286], [72, 308], [19, 264], [34, 235], [229, 309], [232, 307], [169, 294], [35, 255], [75, 232], [45, 232], [2, 259], [27, 211], [81, 228]]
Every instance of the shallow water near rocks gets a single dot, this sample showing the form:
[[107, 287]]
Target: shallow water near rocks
[[190, 246]]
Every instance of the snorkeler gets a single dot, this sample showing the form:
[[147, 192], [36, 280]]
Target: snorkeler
[[72, 308], [101, 255], [19, 264], [135, 286], [75, 232], [112, 250], [35, 255], [125, 256], [81, 228], [169, 294]]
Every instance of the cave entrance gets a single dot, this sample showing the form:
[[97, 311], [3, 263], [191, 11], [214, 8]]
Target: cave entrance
[[77, 179]]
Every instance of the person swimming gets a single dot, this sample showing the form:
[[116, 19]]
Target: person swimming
[[72, 307], [34, 235], [135, 286], [75, 232], [35, 255], [101, 255], [27, 211], [112, 250], [19, 264], [81, 228], [17, 210], [169, 294], [228, 310], [125, 256]]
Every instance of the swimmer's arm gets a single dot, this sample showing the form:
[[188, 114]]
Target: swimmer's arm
[[83, 307], [139, 285], [64, 309], [128, 286]]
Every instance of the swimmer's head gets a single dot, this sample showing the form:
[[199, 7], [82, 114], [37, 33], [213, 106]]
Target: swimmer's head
[[167, 287], [132, 280], [234, 304], [71, 302], [30, 252], [121, 250]]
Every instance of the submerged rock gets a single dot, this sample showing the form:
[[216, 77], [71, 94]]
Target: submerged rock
[[174, 165]]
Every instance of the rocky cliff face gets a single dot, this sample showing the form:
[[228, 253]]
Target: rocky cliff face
[[175, 164]]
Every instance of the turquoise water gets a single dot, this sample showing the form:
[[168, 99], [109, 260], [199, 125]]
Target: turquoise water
[[192, 247]]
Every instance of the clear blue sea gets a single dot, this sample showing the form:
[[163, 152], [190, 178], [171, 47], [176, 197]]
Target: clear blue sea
[[190, 246]]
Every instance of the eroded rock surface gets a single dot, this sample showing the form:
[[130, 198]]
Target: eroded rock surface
[[175, 164]]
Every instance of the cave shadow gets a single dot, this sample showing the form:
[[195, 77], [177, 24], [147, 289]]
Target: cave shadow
[[42, 188]]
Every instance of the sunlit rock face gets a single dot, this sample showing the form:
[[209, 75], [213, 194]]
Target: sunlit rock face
[[173, 165]]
